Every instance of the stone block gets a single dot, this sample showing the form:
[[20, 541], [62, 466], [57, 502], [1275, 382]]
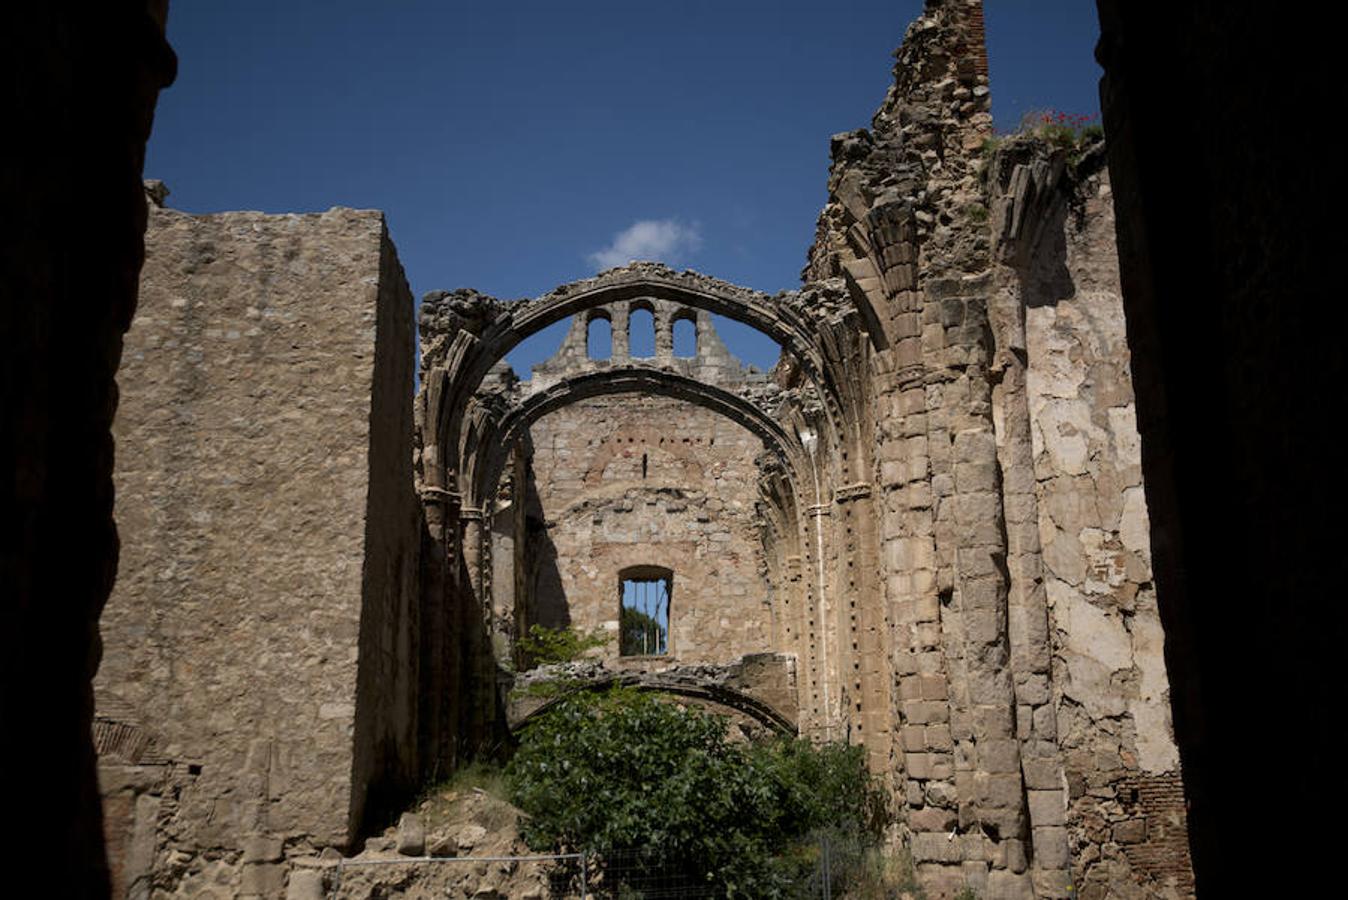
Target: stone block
[[265, 879], [975, 446], [975, 875], [998, 791], [936, 847], [1005, 820], [927, 608], [914, 738], [992, 723], [941, 793], [941, 879], [1033, 688], [411, 835], [976, 476], [973, 508], [928, 635], [305, 884], [933, 687], [974, 846], [1046, 723], [1000, 756], [933, 818], [1050, 847], [936, 712], [1004, 884], [1047, 807], [262, 848], [1014, 856], [380, 844], [990, 689], [938, 738], [1131, 831], [1042, 774]]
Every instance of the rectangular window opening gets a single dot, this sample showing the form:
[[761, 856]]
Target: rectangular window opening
[[644, 618]]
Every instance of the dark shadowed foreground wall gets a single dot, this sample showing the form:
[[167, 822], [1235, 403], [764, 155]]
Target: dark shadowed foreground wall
[[79, 89], [1216, 115]]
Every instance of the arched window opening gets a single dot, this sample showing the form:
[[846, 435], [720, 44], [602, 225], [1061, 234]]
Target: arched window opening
[[643, 616], [599, 338], [685, 338], [641, 334]]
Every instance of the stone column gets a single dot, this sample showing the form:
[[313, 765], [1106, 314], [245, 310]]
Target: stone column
[[664, 333], [620, 317], [471, 541]]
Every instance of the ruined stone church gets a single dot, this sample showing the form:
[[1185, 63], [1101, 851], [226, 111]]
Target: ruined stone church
[[923, 532]]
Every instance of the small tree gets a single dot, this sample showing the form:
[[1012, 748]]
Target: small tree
[[626, 774], [545, 646]]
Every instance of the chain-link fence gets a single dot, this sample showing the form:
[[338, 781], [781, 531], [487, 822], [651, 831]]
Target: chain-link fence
[[828, 866], [563, 876]]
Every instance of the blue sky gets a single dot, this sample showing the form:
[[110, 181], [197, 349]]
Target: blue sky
[[517, 146]]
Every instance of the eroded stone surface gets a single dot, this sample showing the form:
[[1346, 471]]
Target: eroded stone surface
[[257, 647]]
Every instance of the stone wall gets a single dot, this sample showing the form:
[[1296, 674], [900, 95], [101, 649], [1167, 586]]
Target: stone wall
[[260, 645], [1032, 699], [652, 481], [623, 481], [1080, 540]]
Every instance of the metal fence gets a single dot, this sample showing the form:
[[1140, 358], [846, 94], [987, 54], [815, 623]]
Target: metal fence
[[568, 875], [825, 868]]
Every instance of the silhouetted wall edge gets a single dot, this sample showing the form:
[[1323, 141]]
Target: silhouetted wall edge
[[80, 87], [1212, 111]]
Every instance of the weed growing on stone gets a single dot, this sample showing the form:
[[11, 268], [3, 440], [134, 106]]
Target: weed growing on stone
[[1066, 130], [546, 646]]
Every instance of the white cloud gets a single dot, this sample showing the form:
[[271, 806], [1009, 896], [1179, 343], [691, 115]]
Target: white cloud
[[653, 240]]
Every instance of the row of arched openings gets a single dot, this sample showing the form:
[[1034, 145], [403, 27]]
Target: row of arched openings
[[640, 336]]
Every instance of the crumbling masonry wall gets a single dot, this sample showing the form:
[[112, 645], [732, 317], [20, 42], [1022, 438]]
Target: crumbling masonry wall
[[1066, 412], [1036, 755], [258, 687], [626, 481]]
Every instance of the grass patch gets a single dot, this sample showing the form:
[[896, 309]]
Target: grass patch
[[436, 803]]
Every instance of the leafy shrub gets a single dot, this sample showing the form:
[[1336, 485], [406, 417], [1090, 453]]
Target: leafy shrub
[[546, 646], [627, 775]]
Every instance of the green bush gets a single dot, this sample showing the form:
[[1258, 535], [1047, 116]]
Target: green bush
[[627, 775], [545, 646]]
